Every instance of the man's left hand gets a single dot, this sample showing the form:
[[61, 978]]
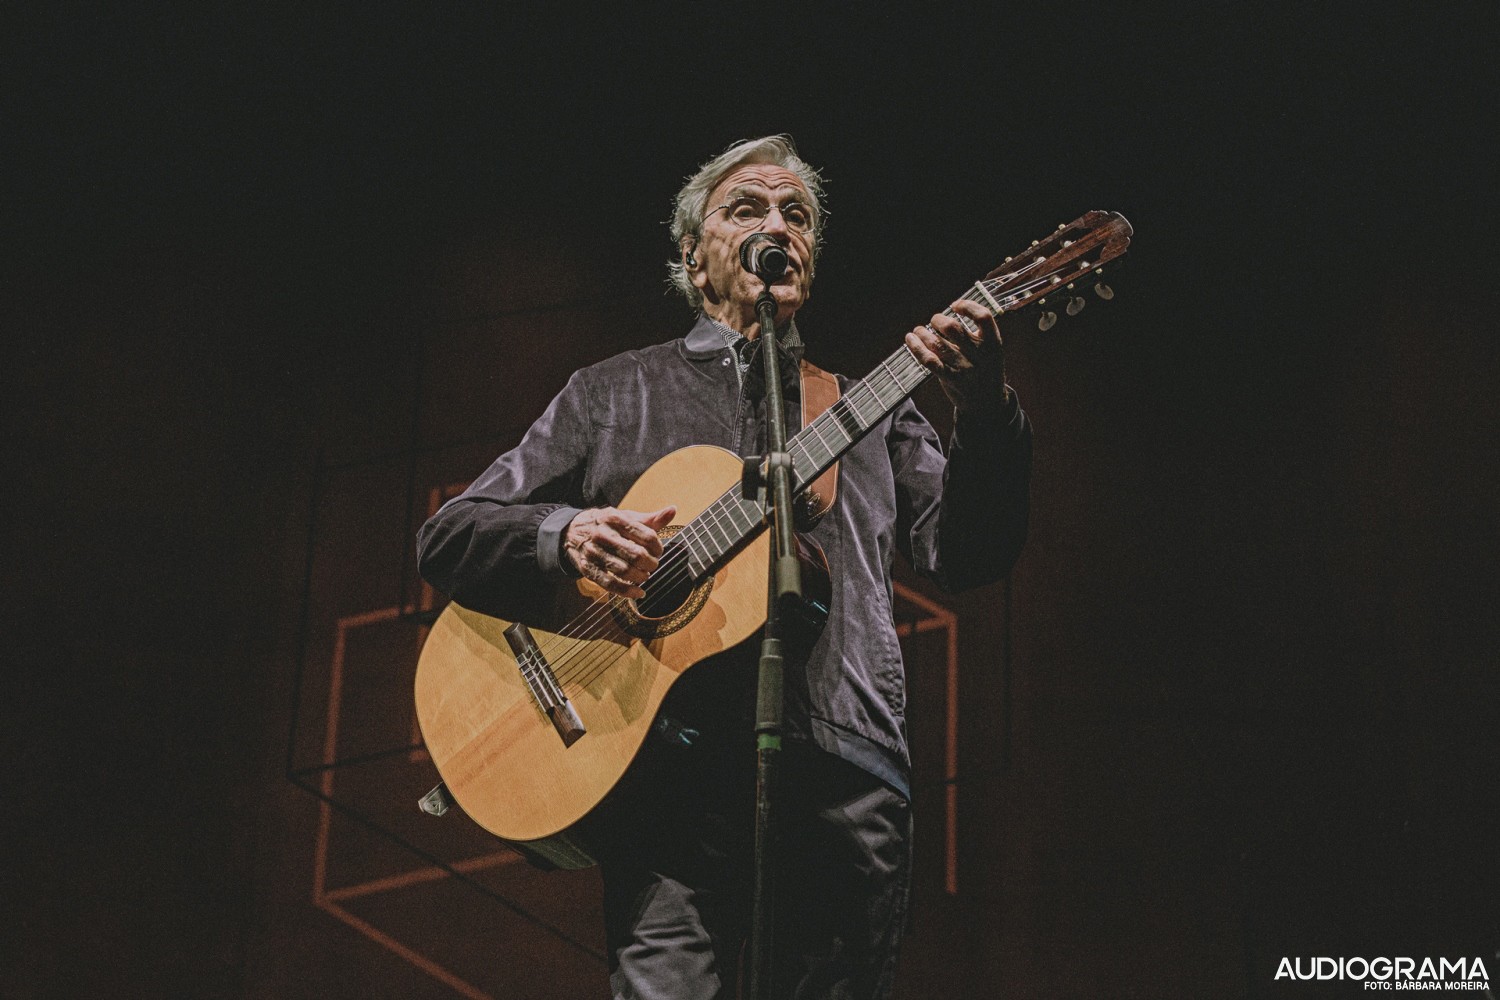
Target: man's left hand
[[966, 352]]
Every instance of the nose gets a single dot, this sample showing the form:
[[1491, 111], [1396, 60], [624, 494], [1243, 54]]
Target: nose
[[775, 224]]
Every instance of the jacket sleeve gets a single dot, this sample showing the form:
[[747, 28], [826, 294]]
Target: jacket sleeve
[[962, 521], [496, 547]]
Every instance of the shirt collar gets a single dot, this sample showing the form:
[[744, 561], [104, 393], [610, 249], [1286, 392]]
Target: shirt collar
[[709, 339]]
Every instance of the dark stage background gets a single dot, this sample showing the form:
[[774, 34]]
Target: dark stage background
[[272, 275]]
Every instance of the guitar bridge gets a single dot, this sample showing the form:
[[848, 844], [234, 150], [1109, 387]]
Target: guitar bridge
[[542, 683]]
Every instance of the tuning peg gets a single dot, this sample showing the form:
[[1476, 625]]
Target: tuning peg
[[1046, 321], [1104, 291], [1075, 305]]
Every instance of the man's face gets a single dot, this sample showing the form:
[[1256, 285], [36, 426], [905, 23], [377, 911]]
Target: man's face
[[729, 291]]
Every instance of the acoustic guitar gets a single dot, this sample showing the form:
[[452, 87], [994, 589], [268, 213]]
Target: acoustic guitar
[[531, 724]]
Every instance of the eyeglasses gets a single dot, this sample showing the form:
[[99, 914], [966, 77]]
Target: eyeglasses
[[751, 213]]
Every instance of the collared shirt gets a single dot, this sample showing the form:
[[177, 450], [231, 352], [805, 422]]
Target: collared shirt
[[742, 349], [960, 520]]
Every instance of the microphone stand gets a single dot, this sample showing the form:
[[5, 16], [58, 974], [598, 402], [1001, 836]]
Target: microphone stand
[[785, 582]]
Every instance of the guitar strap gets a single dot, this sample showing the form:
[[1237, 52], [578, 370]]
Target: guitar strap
[[820, 390]]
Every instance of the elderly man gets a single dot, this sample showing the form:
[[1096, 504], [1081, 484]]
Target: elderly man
[[675, 839]]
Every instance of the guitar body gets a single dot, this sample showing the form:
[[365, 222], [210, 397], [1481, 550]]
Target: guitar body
[[500, 754]]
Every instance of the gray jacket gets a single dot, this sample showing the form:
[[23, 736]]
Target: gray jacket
[[960, 520]]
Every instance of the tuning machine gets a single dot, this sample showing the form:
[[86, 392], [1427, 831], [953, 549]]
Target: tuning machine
[[1100, 288], [1047, 320]]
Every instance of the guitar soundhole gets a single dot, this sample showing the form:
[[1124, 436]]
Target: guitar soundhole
[[664, 598], [672, 600]]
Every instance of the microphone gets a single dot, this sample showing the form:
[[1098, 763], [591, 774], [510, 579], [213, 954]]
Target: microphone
[[763, 257]]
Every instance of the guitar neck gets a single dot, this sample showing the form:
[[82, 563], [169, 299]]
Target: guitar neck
[[835, 431], [731, 519]]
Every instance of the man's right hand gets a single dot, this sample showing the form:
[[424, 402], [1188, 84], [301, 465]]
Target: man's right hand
[[617, 549]]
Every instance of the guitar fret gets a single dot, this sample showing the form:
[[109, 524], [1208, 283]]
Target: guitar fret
[[847, 419], [804, 461], [818, 432], [807, 452], [716, 532], [871, 406], [736, 518], [821, 449], [912, 374], [690, 538], [754, 514]]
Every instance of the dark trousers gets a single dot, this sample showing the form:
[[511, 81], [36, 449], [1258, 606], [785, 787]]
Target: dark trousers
[[678, 870]]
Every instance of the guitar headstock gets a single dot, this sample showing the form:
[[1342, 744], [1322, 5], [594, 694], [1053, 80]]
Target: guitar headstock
[[1070, 254]]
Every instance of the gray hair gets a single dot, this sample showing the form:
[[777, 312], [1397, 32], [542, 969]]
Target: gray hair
[[692, 200]]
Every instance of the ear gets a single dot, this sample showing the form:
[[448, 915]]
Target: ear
[[692, 265]]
